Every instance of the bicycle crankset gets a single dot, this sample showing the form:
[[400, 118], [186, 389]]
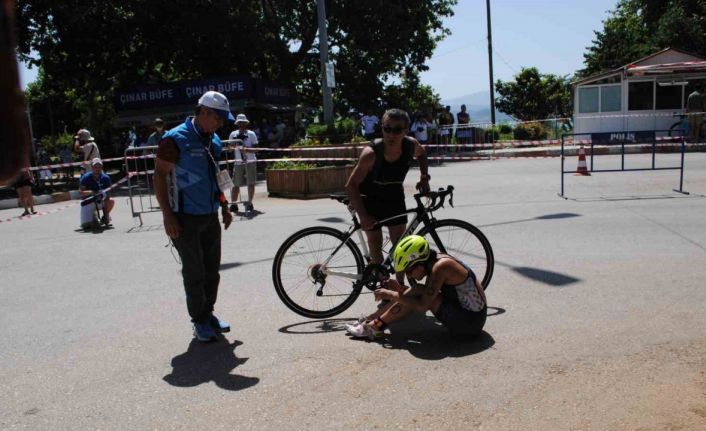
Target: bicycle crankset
[[373, 274]]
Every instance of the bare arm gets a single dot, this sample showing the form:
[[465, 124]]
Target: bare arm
[[361, 170], [162, 169], [421, 155], [415, 299]]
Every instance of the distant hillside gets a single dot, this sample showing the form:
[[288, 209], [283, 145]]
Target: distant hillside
[[477, 104]]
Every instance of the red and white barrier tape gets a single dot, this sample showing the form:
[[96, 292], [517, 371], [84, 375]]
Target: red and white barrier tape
[[56, 210]]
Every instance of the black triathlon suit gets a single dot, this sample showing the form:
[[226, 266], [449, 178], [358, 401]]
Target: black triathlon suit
[[382, 187]]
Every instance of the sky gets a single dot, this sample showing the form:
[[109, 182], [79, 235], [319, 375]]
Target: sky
[[551, 35]]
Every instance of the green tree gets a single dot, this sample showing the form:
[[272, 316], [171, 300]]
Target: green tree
[[89, 48], [534, 96], [637, 28]]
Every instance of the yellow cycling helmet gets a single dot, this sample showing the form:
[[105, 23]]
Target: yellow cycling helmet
[[410, 250]]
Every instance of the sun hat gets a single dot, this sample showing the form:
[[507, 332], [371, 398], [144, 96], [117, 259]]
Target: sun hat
[[84, 135]]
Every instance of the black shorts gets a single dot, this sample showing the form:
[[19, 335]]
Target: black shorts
[[461, 323], [386, 208]]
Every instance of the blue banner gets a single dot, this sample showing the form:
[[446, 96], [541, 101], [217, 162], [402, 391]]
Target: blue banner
[[183, 92]]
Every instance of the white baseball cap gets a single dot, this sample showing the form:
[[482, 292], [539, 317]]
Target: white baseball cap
[[218, 102], [241, 118], [96, 161]]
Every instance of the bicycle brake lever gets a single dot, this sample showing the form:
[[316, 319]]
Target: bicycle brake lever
[[451, 200]]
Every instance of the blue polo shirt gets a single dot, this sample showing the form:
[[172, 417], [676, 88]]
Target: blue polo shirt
[[90, 182]]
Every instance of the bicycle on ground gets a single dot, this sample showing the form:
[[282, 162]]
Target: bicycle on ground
[[319, 272]]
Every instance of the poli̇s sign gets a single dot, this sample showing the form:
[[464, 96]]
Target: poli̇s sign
[[617, 138]]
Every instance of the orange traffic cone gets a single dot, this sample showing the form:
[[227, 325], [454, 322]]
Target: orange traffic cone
[[582, 169]]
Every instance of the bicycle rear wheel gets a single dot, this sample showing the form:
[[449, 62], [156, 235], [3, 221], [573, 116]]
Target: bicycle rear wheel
[[299, 278], [466, 243]]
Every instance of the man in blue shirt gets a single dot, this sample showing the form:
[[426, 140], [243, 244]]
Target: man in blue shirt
[[93, 183], [186, 183]]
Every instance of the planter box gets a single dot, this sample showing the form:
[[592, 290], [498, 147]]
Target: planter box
[[307, 183]]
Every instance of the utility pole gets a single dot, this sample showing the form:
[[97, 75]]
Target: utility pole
[[323, 51], [490, 66]]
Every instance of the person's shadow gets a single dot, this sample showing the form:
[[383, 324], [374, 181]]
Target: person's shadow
[[209, 362], [425, 338]]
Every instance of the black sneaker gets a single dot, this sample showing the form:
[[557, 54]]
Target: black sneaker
[[249, 207], [234, 208], [218, 325]]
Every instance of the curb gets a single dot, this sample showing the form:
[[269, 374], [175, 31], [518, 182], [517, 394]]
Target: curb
[[42, 199]]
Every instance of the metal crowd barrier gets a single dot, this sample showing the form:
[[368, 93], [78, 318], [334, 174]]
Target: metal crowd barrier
[[626, 138], [139, 167]]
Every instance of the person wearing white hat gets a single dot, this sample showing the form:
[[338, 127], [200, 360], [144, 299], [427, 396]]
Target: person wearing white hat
[[189, 187], [84, 143], [245, 168]]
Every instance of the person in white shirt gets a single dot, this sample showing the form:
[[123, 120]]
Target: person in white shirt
[[420, 128], [369, 121], [245, 168]]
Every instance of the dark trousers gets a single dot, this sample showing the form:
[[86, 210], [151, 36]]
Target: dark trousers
[[199, 246]]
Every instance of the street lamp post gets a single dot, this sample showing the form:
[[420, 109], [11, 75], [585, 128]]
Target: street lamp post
[[490, 66], [323, 52]]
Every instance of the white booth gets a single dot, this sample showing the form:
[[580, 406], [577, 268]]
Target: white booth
[[648, 94]]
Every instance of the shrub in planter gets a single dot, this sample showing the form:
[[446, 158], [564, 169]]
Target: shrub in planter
[[530, 131], [504, 129]]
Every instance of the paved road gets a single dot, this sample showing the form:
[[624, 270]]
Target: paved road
[[598, 319]]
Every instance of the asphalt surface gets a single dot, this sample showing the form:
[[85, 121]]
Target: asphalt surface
[[597, 318]]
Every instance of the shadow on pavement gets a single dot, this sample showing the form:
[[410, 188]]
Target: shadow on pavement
[[209, 362], [544, 276], [556, 216], [316, 326]]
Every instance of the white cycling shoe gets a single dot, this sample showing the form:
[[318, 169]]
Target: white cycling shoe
[[363, 330]]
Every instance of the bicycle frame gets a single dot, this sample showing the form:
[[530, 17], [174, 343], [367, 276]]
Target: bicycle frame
[[421, 215]]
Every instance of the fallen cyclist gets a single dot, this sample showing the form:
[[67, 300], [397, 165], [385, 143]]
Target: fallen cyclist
[[451, 292]]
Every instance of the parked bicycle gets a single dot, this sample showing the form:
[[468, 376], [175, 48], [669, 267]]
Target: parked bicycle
[[320, 271]]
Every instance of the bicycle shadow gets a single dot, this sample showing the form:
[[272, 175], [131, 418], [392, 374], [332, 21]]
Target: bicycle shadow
[[209, 362]]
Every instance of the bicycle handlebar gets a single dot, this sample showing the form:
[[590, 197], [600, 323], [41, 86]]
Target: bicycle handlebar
[[438, 198]]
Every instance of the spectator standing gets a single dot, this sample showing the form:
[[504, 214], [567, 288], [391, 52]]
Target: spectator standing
[[186, 182], [67, 157], [279, 132], [695, 108], [463, 128], [445, 121], [44, 174], [420, 129], [85, 144], [265, 131], [245, 168], [156, 136], [23, 186], [369, 122]]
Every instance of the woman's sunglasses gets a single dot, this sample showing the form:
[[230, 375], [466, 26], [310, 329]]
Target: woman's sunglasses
[[393, 130]]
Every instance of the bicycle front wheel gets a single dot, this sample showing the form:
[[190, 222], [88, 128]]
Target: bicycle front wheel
[[466, 243], [314, 272]]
